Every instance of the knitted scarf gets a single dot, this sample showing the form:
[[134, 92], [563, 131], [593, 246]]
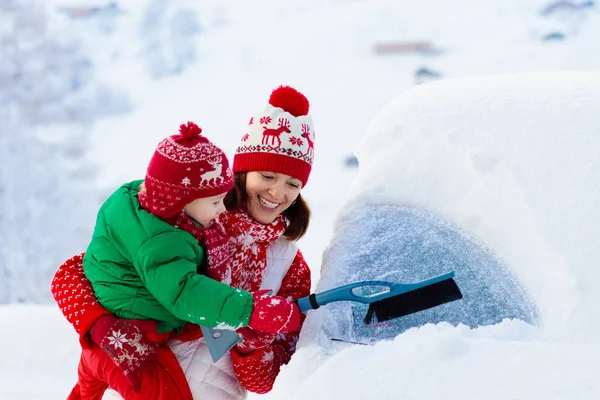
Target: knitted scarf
[[248, 242]]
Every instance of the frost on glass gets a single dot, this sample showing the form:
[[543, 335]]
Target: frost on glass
[[401, 244]]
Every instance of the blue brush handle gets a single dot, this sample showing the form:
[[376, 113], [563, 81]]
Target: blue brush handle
[[348, 292]]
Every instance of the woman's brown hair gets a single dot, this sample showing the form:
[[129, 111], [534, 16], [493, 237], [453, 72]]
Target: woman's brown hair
[[298, 214]]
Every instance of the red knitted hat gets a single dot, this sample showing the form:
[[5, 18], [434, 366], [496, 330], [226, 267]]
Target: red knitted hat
[[280, 138], [185, 167]]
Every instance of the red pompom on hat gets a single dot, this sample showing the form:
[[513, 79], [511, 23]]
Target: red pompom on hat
[[184, 167], [190, 131], [290, 100], [280, 138]]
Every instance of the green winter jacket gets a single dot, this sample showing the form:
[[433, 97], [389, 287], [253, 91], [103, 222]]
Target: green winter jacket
[[143, 268]]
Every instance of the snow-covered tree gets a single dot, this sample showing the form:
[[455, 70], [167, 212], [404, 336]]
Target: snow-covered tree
[[47, 204]]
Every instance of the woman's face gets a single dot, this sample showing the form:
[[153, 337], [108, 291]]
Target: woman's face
[[206, 209], [270, 194]]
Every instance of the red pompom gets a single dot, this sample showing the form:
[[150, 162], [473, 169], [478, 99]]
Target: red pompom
[[290, 100], [190, 130]]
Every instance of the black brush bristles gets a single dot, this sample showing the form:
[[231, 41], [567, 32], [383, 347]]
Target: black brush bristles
[[413, 301]]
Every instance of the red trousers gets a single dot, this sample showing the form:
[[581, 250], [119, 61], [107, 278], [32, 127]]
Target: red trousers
[[162, 380]]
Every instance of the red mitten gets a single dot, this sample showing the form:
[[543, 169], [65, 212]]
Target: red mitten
[[124, 341], [273, 314], [253, 340]]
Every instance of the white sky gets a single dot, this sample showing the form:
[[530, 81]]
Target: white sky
[[516, 169]]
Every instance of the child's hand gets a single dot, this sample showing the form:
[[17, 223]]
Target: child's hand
[[124, 341], [273, 314], [253, 340]]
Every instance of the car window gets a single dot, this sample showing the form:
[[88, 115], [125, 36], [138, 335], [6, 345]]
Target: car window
[[404, 245]]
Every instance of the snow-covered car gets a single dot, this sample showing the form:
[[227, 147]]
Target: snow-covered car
[[494, 178]]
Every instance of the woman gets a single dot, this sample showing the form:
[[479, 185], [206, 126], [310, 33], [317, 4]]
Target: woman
[[266, 214]]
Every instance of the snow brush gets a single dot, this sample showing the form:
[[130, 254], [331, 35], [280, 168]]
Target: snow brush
[[387, 300]]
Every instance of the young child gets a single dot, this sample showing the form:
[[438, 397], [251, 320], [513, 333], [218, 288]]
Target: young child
[[145, 263]]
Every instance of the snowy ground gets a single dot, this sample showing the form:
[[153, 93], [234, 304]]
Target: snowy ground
[[325, 49]]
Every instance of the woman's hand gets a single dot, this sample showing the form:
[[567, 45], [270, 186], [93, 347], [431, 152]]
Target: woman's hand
[[253, 340]]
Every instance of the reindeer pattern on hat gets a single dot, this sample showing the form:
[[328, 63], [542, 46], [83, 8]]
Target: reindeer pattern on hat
[[205, 158], [276, 131], [280, 138], [206, 179]]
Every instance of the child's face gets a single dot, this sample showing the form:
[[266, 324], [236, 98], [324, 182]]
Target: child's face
[[206, 209]]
